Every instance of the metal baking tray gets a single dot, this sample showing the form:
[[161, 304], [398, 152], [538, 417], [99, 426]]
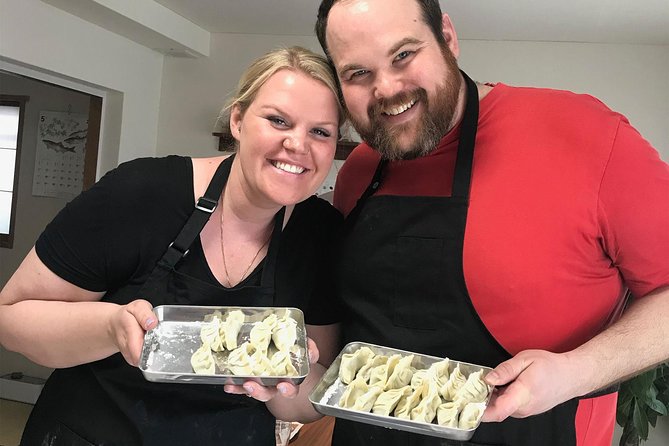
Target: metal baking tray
[[325, 396], [168, 348]]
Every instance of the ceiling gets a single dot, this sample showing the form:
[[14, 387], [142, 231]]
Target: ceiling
[[597, 21]]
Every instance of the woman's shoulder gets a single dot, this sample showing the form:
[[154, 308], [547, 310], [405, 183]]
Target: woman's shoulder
[[152, 169], [143, 178]]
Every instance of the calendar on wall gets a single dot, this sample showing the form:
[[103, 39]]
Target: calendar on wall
[[59, 159]]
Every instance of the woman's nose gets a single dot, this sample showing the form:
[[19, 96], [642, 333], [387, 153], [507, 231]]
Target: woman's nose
[[296, 144]]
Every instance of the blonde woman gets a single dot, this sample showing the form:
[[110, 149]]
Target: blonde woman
[[82, 299]]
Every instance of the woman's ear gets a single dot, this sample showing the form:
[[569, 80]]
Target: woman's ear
[[236, 121]]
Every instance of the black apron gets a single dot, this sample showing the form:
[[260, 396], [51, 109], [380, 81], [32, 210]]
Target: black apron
[[108, 402], [401, 278]]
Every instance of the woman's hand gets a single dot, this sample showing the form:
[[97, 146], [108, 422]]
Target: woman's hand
[[127, 327], [284, 389]]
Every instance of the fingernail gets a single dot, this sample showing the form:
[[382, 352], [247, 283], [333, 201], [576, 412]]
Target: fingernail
[[249, 389], [149, 321], [282, 390], [492, 376]]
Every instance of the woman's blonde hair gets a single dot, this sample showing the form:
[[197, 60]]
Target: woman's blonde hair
[[294, 58]]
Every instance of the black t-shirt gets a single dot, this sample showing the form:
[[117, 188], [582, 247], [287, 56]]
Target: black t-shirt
[[112, 235]]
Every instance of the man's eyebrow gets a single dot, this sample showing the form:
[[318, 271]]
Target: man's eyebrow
[[401, 43], [393, 50]]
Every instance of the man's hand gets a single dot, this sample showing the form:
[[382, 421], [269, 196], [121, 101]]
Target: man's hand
[[530, 383]]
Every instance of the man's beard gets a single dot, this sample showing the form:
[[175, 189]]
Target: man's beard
[[432, 125]]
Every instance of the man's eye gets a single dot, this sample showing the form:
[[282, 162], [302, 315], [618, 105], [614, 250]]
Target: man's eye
[[403, 55], [358, 73]]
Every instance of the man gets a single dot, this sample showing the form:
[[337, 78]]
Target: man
[[495, 225]]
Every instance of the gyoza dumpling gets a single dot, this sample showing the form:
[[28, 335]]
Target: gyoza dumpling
[[202, 361], [239, 360], [281, 364], [247, 360], [418, 378], [210, 334], [352, 362], [354, 390], [470, 416], [377, 375], [284, 334], [401, 374], [380, 374], [261, 336], [231, 326], [271, 320], [474, 390], [407, 404], [366, 401], [438, 372], [261, 365], [447, 414], [455, 381], [426, 409], [387, 401], [366, 369]]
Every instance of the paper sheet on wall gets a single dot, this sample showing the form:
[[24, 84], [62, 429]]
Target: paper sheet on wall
[[59, 159]]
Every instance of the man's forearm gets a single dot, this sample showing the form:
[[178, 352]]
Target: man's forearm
[[639, 340]]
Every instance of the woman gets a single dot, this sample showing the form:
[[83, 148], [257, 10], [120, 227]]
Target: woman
[[82, 299]]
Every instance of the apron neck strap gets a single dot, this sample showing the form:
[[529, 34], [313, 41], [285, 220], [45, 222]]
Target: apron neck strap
[[205, 206], [465, 158]]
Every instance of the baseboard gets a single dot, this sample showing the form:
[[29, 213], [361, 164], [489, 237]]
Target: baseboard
[[19, 387]]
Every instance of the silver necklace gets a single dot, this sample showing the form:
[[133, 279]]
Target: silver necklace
[[225, 266]]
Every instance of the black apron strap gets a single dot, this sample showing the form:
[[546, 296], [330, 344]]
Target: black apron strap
[[371, 188], [204, 207], [469, 125]]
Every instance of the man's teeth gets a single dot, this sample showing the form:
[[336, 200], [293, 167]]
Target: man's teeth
[[401, 109], [288, 167]]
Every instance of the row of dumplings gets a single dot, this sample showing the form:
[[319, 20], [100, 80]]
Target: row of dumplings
[[253, 357], [391, 386]]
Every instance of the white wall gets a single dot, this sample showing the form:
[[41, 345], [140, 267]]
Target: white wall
[[628, 78], [49, 40], [194, 91]]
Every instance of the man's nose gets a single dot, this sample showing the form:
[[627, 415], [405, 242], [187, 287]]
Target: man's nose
[[386, 85]]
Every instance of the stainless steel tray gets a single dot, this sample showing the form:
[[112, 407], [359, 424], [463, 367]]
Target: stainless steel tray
[[325, 396], [168, 348]]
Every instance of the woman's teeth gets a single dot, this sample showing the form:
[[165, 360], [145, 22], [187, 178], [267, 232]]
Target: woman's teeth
[[288, 167]]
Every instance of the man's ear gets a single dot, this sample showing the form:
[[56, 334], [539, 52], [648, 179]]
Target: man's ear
[[236, 121], [448, 30]]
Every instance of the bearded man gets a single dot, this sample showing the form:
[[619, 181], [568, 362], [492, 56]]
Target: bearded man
[[495, 225]]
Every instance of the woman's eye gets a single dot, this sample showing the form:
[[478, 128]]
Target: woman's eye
[[277, 120], [322, 132]]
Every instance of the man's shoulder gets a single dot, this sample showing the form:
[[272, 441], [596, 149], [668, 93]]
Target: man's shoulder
[[552, 98], [361, 160]]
